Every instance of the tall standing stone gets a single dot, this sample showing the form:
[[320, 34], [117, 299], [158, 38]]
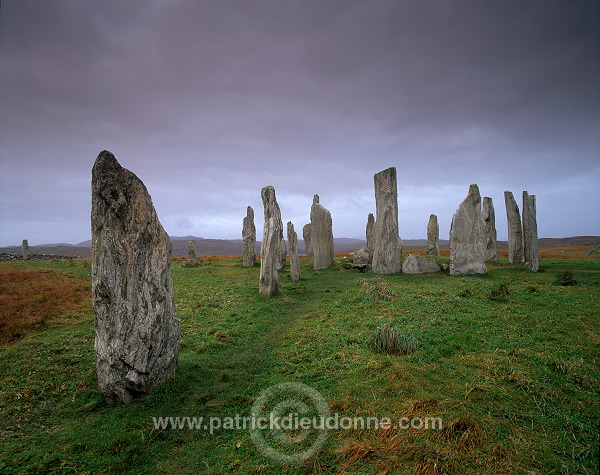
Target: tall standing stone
[[467, 236], [321, 239], [369, 232], [531, 251], [25, 249], [293, 248], [306, 234], [249, 238], [137, 330], [515, 232], [271, 210], [489, 217], [268, 283], [387, 246], [192, 256], [433, 236]]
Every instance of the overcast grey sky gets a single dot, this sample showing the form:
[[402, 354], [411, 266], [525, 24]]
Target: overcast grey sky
[[209, 101]]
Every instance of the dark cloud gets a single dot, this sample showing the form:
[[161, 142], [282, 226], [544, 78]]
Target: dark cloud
[[208, 101]]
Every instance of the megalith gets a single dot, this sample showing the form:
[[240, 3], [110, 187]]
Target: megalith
[[249, 238], [369, 232], [271, 210], [415, 264], [467, 236], [362, 259], [531, 253], [25, 249], [433, 236], [137, 330], [268, 283], [489, 217], [192, 256], [515, 231], [293, 249], [387, 246], [306, 233], [321, 238]]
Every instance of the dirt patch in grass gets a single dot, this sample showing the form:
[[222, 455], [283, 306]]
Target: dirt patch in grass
[[31, 299]]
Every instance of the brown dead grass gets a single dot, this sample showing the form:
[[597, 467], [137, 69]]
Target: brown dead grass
[[390, 450], [566, 252], [31, 299], [551, 252]]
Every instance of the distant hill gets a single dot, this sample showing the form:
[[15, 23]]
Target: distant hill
[[570, 241], [233, 247]]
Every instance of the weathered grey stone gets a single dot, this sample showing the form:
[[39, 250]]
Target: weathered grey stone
[[268, 284], [433, 236], [415, 264], [387, 246], [306, 233], [467, 236], [515, 231], [362, 259], [192, 256], [271, 210], [25, 249], [321, 238], [137, 330], [369, 232], [531, 252], [249, 238], [293, 248], [489, 217]]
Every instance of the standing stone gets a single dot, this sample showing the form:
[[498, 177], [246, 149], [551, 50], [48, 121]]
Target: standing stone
[[369, 232], [192, 256], [433, 236], [268, 283], [387, 246], [489, 217], [531, 251], [249, 238], [271, 210], [415, 264], [515, 233], [467, 236], [25, 249], [293, 248], [306, 234], [321, 239], [137, 330], [362, 259]]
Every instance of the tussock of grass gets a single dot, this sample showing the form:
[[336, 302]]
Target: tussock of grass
[[565, 279], [354, 450], [465, 293], [500, 292], [191, 264], [388, 340], [463, 433], [377, 289]]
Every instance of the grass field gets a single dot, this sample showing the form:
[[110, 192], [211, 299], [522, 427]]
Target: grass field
[[508, 361]]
